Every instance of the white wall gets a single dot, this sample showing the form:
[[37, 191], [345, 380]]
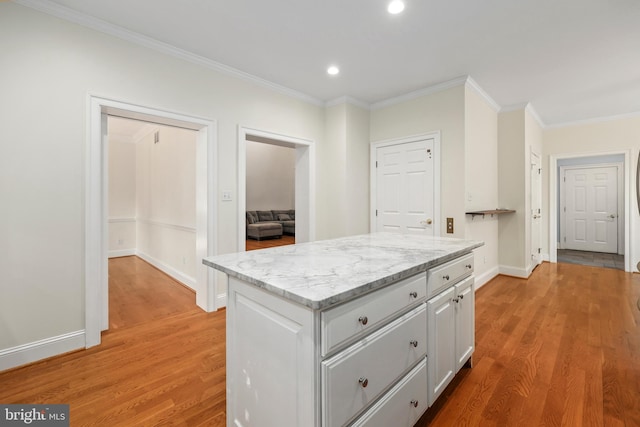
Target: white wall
[[597, 138], [49, 67], [481, 182], [270, 177], [122, 197], [166, 202]]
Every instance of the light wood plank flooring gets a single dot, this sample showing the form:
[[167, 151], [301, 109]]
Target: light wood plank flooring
[[252, 245], [562, 348]]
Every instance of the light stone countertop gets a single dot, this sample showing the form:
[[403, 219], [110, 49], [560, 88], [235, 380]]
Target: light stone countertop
[[328, 272]]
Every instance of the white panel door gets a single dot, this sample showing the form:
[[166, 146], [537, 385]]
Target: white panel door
[[405, 187], [536, 210], [591, 209]]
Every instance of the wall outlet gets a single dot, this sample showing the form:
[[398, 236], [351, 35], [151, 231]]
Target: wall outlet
[[449, 225]]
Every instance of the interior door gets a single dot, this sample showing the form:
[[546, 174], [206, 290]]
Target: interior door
[[591, 209], [536, 209], [405, 187]]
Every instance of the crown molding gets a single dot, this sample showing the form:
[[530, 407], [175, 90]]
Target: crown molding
[[472, 84], [71, 15], [525, 106], [594, 120], [347, 100], [420, 92]]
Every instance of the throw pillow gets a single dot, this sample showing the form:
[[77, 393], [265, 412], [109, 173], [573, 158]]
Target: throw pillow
[[252, 218], [284, 217]]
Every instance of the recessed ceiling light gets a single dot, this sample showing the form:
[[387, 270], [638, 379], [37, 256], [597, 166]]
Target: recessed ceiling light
[[333, 70], [395, 7]]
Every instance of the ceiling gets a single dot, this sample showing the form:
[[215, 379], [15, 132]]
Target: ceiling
[[571, 60]]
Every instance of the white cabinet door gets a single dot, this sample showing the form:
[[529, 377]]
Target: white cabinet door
[[465, 322], [440, 342]]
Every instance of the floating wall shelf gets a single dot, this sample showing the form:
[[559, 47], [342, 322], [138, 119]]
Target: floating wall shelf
[[491, 212]]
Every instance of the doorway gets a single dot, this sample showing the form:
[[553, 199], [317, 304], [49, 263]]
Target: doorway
[[96, 201], [557, 220], [304, 192], [405, 185]]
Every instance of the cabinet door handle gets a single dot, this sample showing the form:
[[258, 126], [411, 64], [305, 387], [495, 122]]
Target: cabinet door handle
[[413, 294], [413, 343], [363, 382], [363, 320], [461, 296], [469, 266], [414, 403], [446, 277], [456, 300]]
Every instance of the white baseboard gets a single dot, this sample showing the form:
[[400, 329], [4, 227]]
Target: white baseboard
[[42, 349], [221, 301], [122, 252], [546, 257], [485, 277], [514, 271], [178, 275]]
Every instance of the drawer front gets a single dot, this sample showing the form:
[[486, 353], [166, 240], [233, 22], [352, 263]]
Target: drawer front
[[403, 405], [344, 323], [360, 374], [448, 274]]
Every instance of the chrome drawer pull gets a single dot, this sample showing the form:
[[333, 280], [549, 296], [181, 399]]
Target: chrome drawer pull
[[469, 266], [413, 343], [413, 294], [363, 320], [414, 403], [363, 382], [446, 277]]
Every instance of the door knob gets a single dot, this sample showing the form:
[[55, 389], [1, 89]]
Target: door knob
[[428, 221]]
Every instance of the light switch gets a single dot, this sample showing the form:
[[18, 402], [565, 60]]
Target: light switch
[[226, 196], [450, 225]]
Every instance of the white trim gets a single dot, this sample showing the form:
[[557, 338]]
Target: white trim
[[470, 83], [305, 182], [508, 270], [41, 349], [71, 15], [121, 252], [116, 220], [221, 300], [347, 100], [553, 202], [373, 147], [419, 93], [167, 225], [485, 277], [594, 120], [169, 270], [96, 192]]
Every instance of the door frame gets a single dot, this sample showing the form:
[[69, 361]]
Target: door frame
[[619, 202], [96, 275], [553, 202], [373, 176], [305, 181]]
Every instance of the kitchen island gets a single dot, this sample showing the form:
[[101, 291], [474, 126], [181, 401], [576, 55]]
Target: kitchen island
[[352, 331]]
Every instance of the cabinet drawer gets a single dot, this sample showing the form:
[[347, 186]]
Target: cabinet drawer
[[356, 376], [403, 405], [448, 274], [346, 322]]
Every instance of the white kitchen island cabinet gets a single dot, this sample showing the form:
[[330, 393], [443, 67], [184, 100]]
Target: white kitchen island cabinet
[[337, 332]]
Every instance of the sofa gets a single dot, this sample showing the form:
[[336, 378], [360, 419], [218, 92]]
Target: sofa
[[270, 224]]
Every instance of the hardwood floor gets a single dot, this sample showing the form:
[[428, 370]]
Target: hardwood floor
[[562, 348], [252, 245]]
